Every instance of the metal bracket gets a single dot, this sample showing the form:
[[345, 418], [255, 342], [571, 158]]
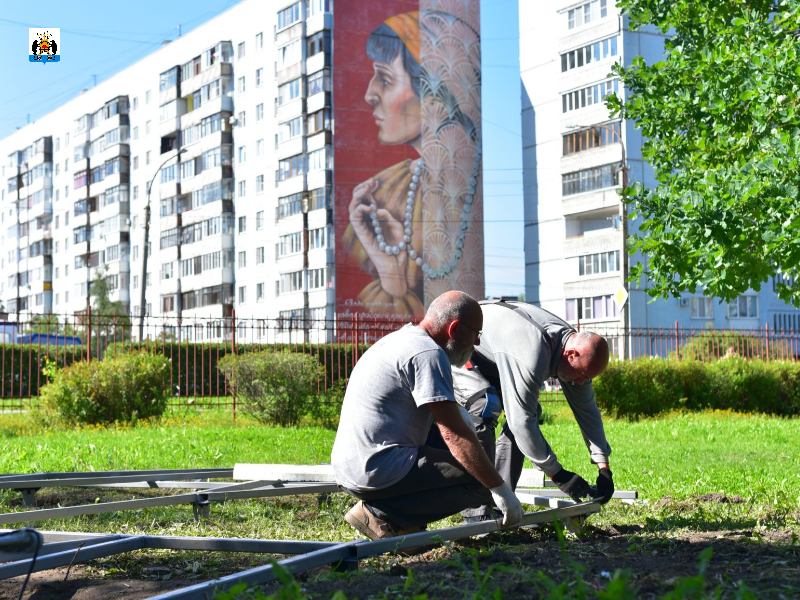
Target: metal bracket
[[29, 496]]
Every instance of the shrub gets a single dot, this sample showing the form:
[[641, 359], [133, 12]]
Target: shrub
[[713, 345], [648, 386], [125, 389], [274, 387]]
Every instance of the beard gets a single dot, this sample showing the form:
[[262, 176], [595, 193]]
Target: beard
[[458, 358]]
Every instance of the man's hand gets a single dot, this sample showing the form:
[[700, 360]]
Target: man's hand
[[508, 503], [572, 484], [605, 485]]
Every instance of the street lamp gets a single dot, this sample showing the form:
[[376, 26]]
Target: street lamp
[[143, 282], [623, 213]]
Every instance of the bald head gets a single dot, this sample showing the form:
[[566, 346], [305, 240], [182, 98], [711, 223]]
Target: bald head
[[584, 357], [451, 306]]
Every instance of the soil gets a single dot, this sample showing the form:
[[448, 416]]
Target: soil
[[767, 563]]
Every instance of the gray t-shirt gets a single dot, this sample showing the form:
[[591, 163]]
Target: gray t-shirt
[[384, 418]]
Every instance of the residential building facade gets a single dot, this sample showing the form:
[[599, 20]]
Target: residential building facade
[[573, 154]]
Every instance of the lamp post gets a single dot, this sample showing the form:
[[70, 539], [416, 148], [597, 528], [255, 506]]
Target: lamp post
[[143, 282], [623, 214]]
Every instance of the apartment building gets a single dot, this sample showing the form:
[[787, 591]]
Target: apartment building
[[224, 137], [573, 153]]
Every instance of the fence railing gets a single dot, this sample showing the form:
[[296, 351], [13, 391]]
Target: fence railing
[[195, 346]]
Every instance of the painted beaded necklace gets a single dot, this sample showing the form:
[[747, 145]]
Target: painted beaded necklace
[[405, 244]]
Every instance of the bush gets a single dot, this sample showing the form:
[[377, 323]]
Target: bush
[[274, 387], [714, 345], [125, 389], [651, 386]]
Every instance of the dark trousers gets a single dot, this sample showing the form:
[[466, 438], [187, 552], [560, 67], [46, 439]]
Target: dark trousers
[[436, 487], [502, 450]]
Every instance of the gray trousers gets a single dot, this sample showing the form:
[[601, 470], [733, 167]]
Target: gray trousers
[[436, 487], [502, 450]]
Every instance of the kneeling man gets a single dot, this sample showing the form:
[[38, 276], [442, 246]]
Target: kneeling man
[[397, 390]]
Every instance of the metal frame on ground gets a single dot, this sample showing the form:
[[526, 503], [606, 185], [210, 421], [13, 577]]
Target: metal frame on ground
[[62, 549]]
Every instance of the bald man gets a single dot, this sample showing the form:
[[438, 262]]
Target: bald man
[[397, 390], [521, 347]]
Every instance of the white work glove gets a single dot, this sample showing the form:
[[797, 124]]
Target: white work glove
[[508, 503]]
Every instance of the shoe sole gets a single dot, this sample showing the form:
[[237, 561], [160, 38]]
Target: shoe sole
[[360, 525]]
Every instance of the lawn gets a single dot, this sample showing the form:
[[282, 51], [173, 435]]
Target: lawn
[[676, 462]]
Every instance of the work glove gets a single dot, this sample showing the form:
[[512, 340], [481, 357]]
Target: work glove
[[604, 486], [572, 484], [507, 501]]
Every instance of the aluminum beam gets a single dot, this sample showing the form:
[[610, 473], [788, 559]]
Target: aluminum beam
[[66, 557], [40, 480], [54, 547], [556, 493]]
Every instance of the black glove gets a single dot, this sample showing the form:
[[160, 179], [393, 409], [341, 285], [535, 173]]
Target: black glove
[[572, 484], [605, 486]]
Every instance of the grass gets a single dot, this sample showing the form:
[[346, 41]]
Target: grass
[[681, 456]]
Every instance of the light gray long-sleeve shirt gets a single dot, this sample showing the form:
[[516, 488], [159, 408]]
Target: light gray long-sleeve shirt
[[525, 357]]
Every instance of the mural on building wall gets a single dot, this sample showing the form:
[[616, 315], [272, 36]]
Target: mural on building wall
[[407, 156]]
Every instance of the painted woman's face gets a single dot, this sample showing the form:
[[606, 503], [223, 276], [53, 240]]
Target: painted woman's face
[[396, 105]]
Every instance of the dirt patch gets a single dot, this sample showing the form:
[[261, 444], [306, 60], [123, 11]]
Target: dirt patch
[[720, 499], [518, 563]]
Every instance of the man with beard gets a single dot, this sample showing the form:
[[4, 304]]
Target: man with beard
[[523, 346], [398, 389]]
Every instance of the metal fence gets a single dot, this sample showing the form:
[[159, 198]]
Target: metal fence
[[194, 347]]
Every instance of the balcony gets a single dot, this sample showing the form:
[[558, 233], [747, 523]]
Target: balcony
[[590, 201], [290, 147], [318, 101], [601, 240], [289, 110], [318, 22]]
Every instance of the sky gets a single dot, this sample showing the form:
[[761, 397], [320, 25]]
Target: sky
[[99, 39]]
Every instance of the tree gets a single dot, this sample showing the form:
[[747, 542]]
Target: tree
[[49, 324], [110, 321], [721, 122]]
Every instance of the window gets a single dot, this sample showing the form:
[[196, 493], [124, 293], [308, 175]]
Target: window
[[316, 7], [167, 271], [291, 282], [259, 147], [259, 184], [289, 91], [597, 307], [586, 13], [242, 294], [319, 198], [242, 262], [290, 244], [316, 279], [259, 292], [290, 167], [168, 80], [135, 162], [580, 57], [135, 133], [168, 173], [259, 76], [242, 154], [319, 121], [316, 238], [136, 192], [317, 160], [259, 41], [290, 54], [588, 96], [603, 262], [147, 128], [147, 97], [240, 51], [241, 119], [744, 307], [289, 16], [147, 158], [290, 129], [240, 85], [319, 82], [242, 224], [242, 189], [167, 303], [702, 308], [596, 136], [135, 102], [259, 220], [260, 255], [319, 42], [290, 205], [259, 112], [589, 180]]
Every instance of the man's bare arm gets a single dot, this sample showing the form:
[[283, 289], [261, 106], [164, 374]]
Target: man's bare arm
[[463, 443]]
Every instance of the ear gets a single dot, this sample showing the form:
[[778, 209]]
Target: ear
[[451, 329]]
